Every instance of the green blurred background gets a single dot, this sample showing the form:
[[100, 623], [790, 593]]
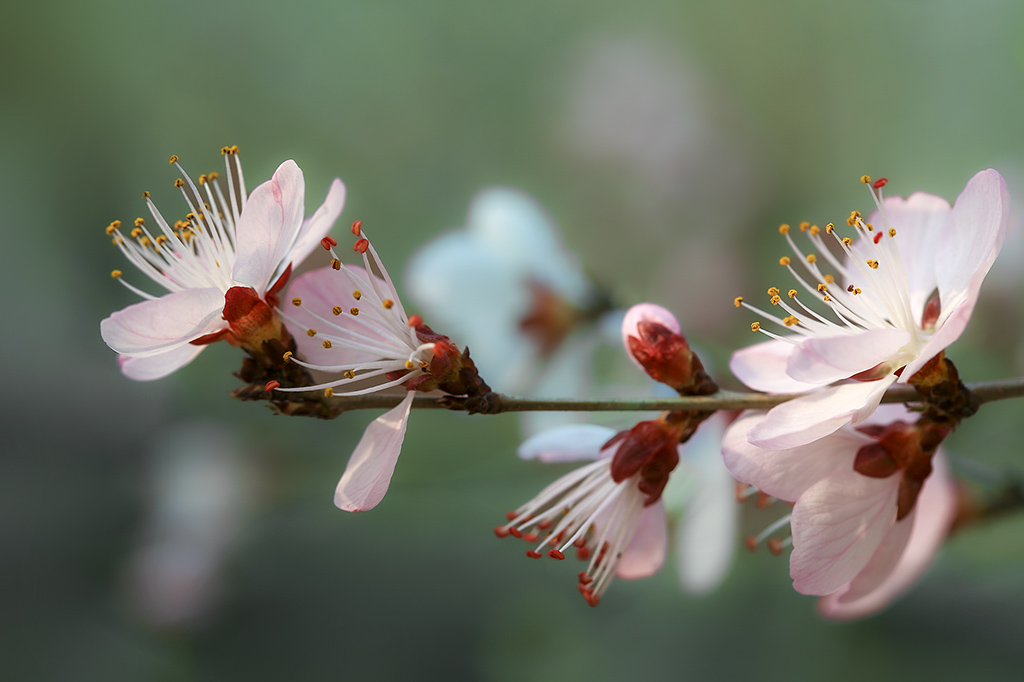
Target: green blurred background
[[668, 139]]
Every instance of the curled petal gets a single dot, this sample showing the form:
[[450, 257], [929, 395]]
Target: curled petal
[[162, 324], [646, 552], [810, 417], [372, 464], [824, 360], [567, 443], [762, 367], [838, 524], [933, 516], [158, 366], [268, 226]]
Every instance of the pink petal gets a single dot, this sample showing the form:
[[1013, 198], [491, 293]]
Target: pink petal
[[787, 473], [933, 516], [316, 227], [268, 226], [919, 222], [372, 464], [815, 415], [706, 537], [158, 366], [646, 552], [165, 323], [321, 290], [762, 367], [824, 360], [837, 525], [567, 443], [646, 312]]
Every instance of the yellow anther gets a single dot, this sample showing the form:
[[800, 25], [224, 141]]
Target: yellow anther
[[784, 260], [354, 311], [865, 179], [871, 228], [811, 258], [815, 230], [174, 159], [784, 229], [112, 227], [424, 365], [873, 264], [892, 232], [139, 222], [327, 343], [804, 225], [776, 300], [790, 321], [822, 287], [145, 241], [296, 301], [830, 228], [310, 332], [754, 326], [116, 273], [738, 301], [179, 183], [791, 293], [328, 392], [409, 364], [852, 220], [827, 298], [349, 374], [202, 179], [773, 291], [190, 216], [847, 241], [136, 233], [337, 310], [829, 279], [145, 195], [387, 303], [116, 240], [234, 149], [225, 150], [213, 176], [287, 355], [336, 264], [160, 239], [357, 294]]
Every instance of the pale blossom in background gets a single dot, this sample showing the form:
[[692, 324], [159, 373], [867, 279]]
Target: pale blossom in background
[[221, 267], [903, 293]]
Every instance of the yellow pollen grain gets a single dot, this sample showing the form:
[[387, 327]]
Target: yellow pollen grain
[[784, 261], [847, 241], [754, 326], [791, 293], [296, 301], [174, 159], [827, 298], [830, 228], [873, 264], [791, 320], [234, 149], [336, 264], [310, 332], [892, 232], [179, 183], [136, 233], [287, 355], [822, 287], [202, 179], [804, 225], [139, 222], [776, 300], [811, 258], [830, 279], [213, 176], [112, 227], [865, 179], [387, 303], [815, 230], [116, 273], [357, 294], [337, 310], [738, 301], [349, 374], [852, 220], [857, 291], [145, 195], [328, 392], [225, 150], [784, 229], [354, 311], [871, 228], [409, 364], [327, 343], [773, 291]]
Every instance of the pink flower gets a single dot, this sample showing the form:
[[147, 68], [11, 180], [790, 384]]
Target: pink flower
[[222, 267], [854, 541], [349, 322], [904, 291]]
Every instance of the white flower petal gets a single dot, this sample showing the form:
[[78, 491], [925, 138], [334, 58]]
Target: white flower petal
[[158, 366], [162, 324], [646, 552], [316, 227], [368, 474], [567, 443], [824, 360], [706, 538], [762, 367]]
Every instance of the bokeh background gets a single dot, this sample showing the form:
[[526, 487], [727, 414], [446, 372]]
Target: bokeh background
[[161, 531]]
